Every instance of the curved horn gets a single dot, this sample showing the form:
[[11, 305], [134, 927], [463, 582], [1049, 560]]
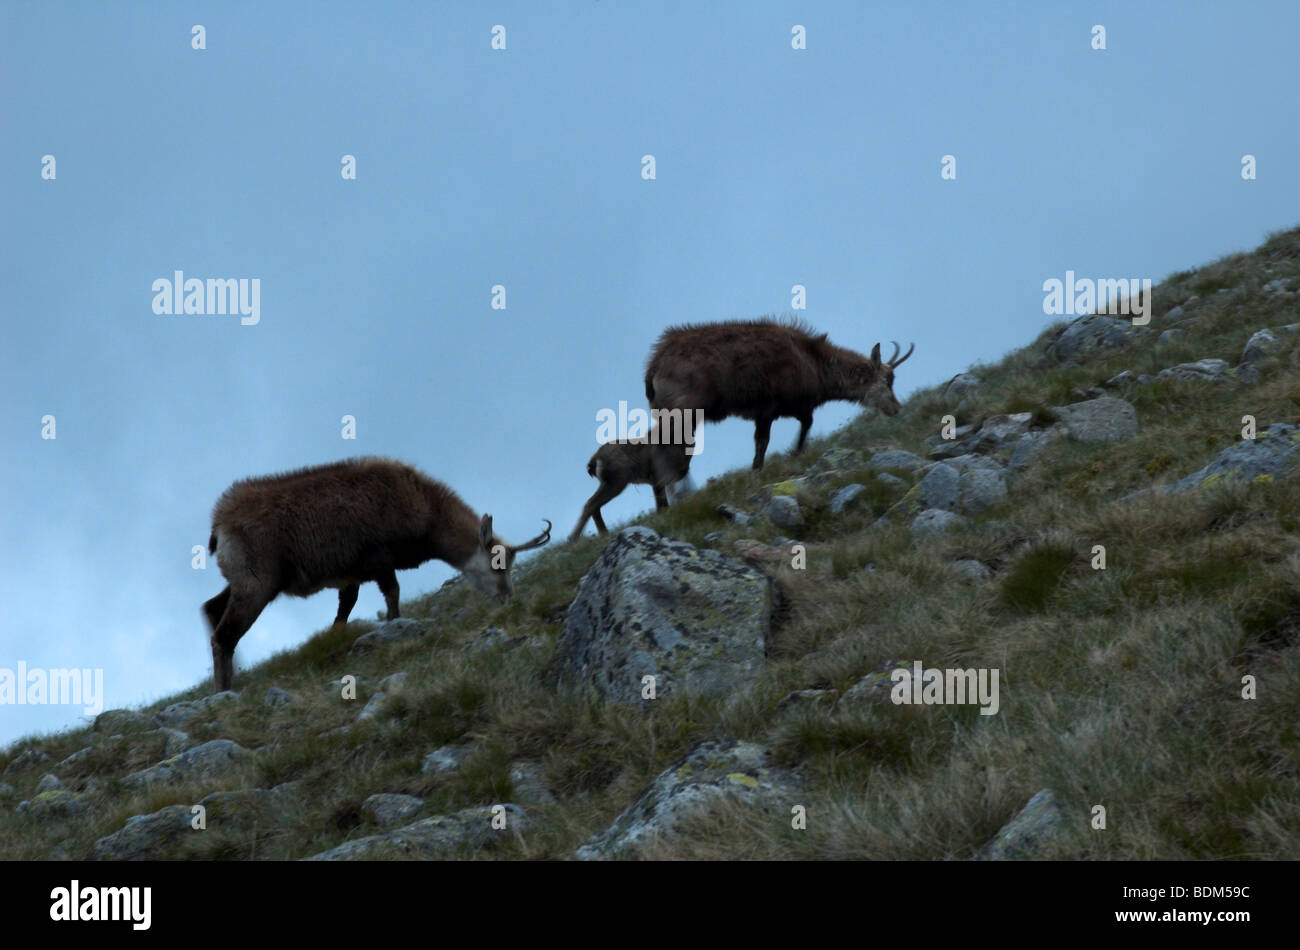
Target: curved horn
[[893, 356], [899, 361], [538, 541]]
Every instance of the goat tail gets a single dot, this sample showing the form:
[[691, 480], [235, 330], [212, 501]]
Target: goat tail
[[212, 543], [591, 467]]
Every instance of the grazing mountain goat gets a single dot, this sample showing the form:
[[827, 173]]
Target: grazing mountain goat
[[341, 525], [764, 370], [642, 461]]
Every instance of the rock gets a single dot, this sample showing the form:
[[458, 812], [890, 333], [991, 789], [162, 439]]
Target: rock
[[650, 606], [529, 784], [76, 757], [1274, 451], [783, 511], [1120, 380], [434, 837], [174, 742], [713, 771], [893, 481], [971, 570], [373, 707], [1249, 373], [387, 809], [394, 682], [203, 761], [895, 459], [980, 489], [790, 487], [715, 537], [6, 791], [276, 697], [845, 496], [394, 631], [48, 783], [875, 687], [112, 721], [1000, 430], [1266, 343], [489, 638], [1174, 314], [52, 803], [1170, 336], [1277, 286], [143, 836], [807, 697], [1091, 335], [969, 461], [27, 759], [1032, 444], [285, 794], [938, 489], [752, 550], [1106, 420], [178, 714], [735, 515], [1024, 835], [935, 521], [961, 385], [447, 758], [1208, 370]]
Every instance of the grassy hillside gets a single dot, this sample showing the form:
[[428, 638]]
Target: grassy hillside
[[1120, 687]]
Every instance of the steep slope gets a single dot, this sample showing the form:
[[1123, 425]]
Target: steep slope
[[1120, 686]]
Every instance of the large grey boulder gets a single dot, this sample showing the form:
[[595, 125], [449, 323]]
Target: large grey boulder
[[846, 495], [938, 489], [1105, 419], [1032, 444], [56, 802], [434, 837], [1267, 342], [1274, 451], [1091, 335], [143, 836], [980, 489], [783, 511], [1025, 835], [688, 616], [203, 761], [713, 772]]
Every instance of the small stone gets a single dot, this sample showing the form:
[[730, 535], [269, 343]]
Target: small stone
[[529, 785], [394, 682], [386, 810], [735, 515], [935, 521], [276, 697], [784, 512], [842, 498], [48, 783], [972, 570], [447, 758]]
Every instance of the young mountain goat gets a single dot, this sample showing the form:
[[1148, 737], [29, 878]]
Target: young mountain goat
[[764, 370], [640, 461], [341, 525]]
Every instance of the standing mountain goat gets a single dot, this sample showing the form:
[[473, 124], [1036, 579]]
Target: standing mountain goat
[[341, 525], [764, 370], [642, 461]]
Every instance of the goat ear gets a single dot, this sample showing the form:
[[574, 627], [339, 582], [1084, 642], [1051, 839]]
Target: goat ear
[[485, 533], [875, 354]]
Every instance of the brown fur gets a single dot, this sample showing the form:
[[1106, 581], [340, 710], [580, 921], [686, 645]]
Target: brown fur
[[763, 370], [337, 525], [632, 462]]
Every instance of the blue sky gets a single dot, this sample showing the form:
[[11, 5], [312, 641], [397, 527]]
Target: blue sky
[[522, 167]]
